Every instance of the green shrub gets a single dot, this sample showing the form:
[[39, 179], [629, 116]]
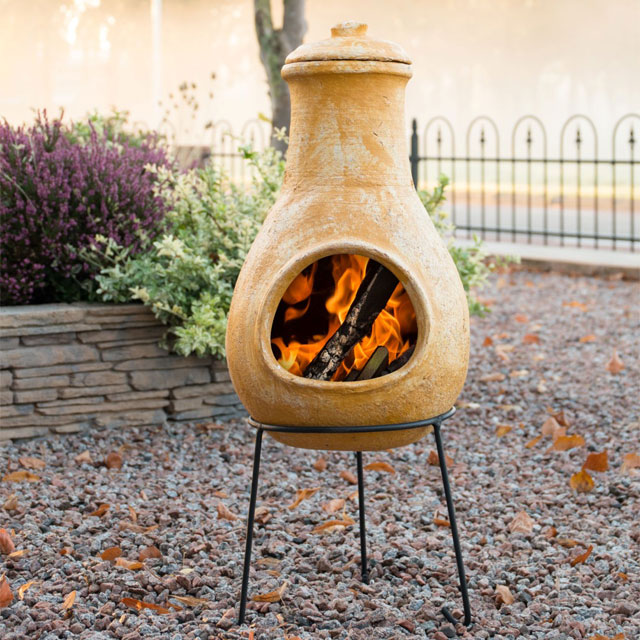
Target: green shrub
[[188, 274]]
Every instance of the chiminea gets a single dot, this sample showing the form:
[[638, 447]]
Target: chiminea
[[349, 309]]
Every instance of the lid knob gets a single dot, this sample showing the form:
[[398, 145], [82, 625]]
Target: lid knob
[[349, 29]]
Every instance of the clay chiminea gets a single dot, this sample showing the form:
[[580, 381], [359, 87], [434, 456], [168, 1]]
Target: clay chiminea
[[349, 309]]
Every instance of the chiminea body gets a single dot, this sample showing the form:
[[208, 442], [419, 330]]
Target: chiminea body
[[348, 190]]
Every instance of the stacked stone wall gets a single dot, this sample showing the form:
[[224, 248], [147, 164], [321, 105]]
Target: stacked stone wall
[[64, 368]]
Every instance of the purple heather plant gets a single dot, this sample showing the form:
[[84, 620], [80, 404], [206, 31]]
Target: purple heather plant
[[57, 192]]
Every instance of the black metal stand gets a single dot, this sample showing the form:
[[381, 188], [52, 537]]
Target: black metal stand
[[436, 423]]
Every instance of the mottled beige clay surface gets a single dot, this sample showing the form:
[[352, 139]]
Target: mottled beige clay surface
[[348, 189]]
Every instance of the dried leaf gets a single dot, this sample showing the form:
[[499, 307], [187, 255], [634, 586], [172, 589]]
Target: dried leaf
[[582, 557], [599, 636], [561, 417], [6, 543], [65, 551], [487, 342], [503, 429], [132, 565], [597, 462], [132, 514], [533, 442], [136, 528], [349, 477], [111, 553], [18, 554], [588, 338], [519, 317], [581, 482], [550, 427], [113, 460], [139, 605], [21, 476], [551, 532], [564, 443], [576, 305], [272, 596], [380, 466], [320, 464], [32, 463], [24, 587], [69, 600], [434, 460], [149, 552], [493, 377], [334, 505], [302, 494], [83, 458], [522, 523], [567, 543], [11, 503], [504, 595], [333, 525], [615, 365], [6, 597], [630, 461], [190, 601], [519, 373], [531, 338], [225, 513], [101, 510], [440, 522], [262, 515]]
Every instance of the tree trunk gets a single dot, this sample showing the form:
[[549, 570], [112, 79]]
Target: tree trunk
[[275, 46]]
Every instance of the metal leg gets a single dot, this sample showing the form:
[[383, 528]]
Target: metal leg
[[363, 530], [454, 532], [252, 510]]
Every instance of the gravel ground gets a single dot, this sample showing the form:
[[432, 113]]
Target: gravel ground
[[184, 491]]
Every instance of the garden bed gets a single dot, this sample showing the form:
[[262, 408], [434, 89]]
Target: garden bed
[[68, 367]]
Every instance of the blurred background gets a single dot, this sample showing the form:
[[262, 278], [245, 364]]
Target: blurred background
[[526, 105]]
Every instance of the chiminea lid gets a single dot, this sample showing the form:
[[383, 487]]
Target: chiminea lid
[[349, 41]]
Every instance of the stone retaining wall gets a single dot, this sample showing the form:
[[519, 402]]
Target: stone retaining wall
[[64, 368]]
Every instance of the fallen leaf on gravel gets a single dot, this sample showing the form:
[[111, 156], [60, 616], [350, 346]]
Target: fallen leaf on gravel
[[6, 543], [550, 427], [588, 338], [17, 554], [533, 442], [522, 523], [83, 458], [320, 464], [349, 477], [441, 522], [272, 596], [11, 503], [581, 482], [519, 373], [220, 494], [551, 532], [66, 551], [582, 557], [24, 587], [132, 565], [630, 461], [111, 553], [618, 636], [302, 494], [262, 515], [519, 317], [190, 601], [6, 597], [596, 462], [149, 552], [136, 528], [434, 461], [567, 543], [132, 514], [69, 600], [333, 525], [113, 460], [493, 377], [101, 510], [615, 365], [21, 476], [139, 605], [560, 417], [576, 305], [531, 338], [503, 429], [334, 505], [564, 443], [487, 342], [623, 576], [225, 513], [32, 463], [380, 466], [504, 595]]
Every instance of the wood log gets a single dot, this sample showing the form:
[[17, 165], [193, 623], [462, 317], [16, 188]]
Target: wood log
[[371, 298], [400, 361], [375, 364]]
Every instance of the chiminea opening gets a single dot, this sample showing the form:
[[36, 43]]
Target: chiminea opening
[[344, 318]]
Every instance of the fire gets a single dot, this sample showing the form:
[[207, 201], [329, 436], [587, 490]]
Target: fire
[[393, 328]]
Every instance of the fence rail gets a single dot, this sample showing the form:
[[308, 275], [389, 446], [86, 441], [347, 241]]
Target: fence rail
[[581, 196]]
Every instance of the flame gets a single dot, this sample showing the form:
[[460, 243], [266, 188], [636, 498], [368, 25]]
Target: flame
[[390, 329]]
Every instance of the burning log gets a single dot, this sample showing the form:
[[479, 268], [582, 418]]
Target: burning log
[[400, 361], [371, 298], [375, 364]]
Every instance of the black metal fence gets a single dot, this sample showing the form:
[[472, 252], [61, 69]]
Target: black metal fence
[[576, 194]]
